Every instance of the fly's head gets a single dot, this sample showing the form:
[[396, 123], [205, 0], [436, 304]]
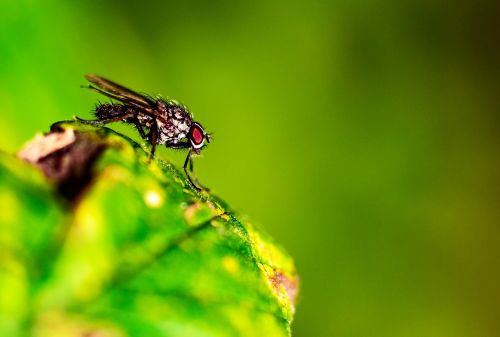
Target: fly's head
[[197, 137]]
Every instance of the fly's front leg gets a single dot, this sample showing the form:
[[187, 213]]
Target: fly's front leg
[[178, 145], [191, 168], [186, 162]]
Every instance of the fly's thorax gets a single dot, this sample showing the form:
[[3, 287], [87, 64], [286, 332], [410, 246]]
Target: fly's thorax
[[176, 124]]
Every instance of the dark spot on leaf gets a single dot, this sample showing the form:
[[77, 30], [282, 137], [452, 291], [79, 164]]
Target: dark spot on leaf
[[66, 157]]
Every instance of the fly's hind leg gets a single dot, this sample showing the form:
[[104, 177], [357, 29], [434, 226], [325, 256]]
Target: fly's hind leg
[[108, 113], [97, 122]]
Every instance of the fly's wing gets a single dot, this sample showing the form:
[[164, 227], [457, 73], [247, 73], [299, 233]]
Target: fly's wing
[[120, 93]]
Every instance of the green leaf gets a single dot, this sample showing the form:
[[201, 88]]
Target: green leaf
[[112, 244]]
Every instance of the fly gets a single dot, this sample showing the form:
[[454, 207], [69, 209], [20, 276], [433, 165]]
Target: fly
[[159, 121]]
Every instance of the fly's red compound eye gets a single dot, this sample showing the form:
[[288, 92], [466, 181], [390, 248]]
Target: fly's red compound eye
[[197, 136]]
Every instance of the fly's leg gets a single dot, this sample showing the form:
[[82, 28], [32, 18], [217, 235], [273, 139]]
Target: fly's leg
[[153, 138], [129, 114], [139, 128], [186, 162], [194, 174], [103, 121]]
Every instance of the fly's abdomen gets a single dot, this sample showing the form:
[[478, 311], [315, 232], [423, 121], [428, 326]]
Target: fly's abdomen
[[108, 111]]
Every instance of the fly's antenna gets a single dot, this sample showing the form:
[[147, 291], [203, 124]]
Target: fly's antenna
[[209, 136]]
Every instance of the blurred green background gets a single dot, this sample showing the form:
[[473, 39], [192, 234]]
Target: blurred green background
[[363, 135]]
